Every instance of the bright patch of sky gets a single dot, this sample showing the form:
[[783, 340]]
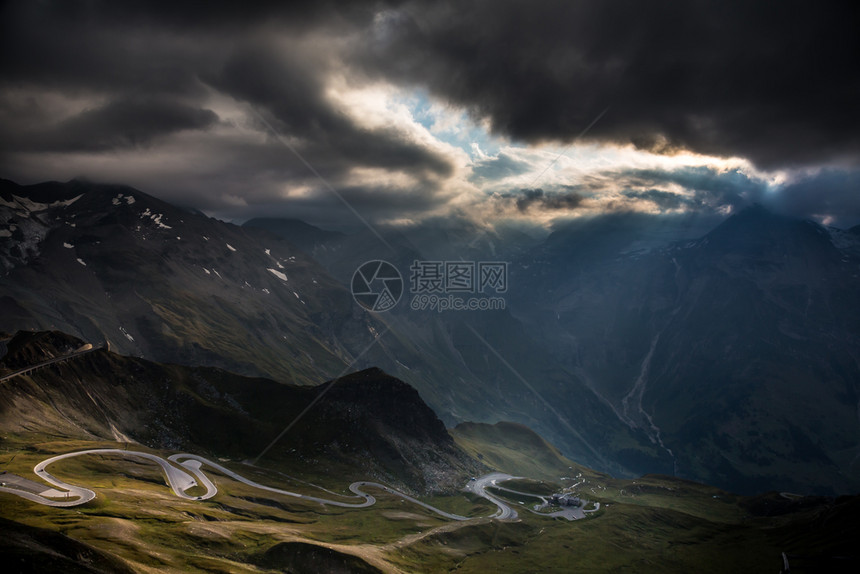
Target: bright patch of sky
[[604, 176], [547, 165], [453, 126]]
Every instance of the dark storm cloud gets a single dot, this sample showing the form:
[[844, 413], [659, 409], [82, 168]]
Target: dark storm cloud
[[219, 15], [707, 187], [540, 200], [830, 194], [90, 77], [75, 48], [327, 211], [119, 124], [833, 194], [774, 82], [152, 46], [665, 200], [183, 83], [290, 86]]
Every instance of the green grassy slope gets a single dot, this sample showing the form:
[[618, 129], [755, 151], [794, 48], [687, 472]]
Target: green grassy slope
[[368, 427], [515, 449], [369, 424]]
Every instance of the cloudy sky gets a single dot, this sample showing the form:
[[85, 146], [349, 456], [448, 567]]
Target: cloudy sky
[[491, 110]]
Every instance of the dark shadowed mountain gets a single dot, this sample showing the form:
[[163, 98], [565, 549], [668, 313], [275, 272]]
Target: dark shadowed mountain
[[726, 355], [635, 343], [370, 424], [303, 235], [112, 263], [736, 353]]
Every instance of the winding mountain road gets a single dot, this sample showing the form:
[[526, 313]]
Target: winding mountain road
[[189, 474], [49, 362], [479, 487], [186, 472]]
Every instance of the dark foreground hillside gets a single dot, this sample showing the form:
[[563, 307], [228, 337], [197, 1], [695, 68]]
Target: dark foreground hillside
[[368, 422]]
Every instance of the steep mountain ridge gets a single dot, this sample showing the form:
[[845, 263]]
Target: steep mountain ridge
[[114, 263], [175, 286], [368, 424], [727, 356], [297, 232], [658, 339], [736, 353]]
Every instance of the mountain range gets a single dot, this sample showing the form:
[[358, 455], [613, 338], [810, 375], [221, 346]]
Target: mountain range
[[369, 426], [720, 353]]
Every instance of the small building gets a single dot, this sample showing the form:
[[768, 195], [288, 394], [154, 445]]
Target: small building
[[565, 500]]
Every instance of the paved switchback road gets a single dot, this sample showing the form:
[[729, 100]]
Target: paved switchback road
[[479, 487], [188, 473], [60, 359]]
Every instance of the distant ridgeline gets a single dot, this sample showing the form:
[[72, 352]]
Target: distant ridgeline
[[726, 355]]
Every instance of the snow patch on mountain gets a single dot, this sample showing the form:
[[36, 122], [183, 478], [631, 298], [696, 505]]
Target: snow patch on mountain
[[129, 199], [81, 261], [156, 218], [127, 336], [230, 247], [24, 206], [278, 274]]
